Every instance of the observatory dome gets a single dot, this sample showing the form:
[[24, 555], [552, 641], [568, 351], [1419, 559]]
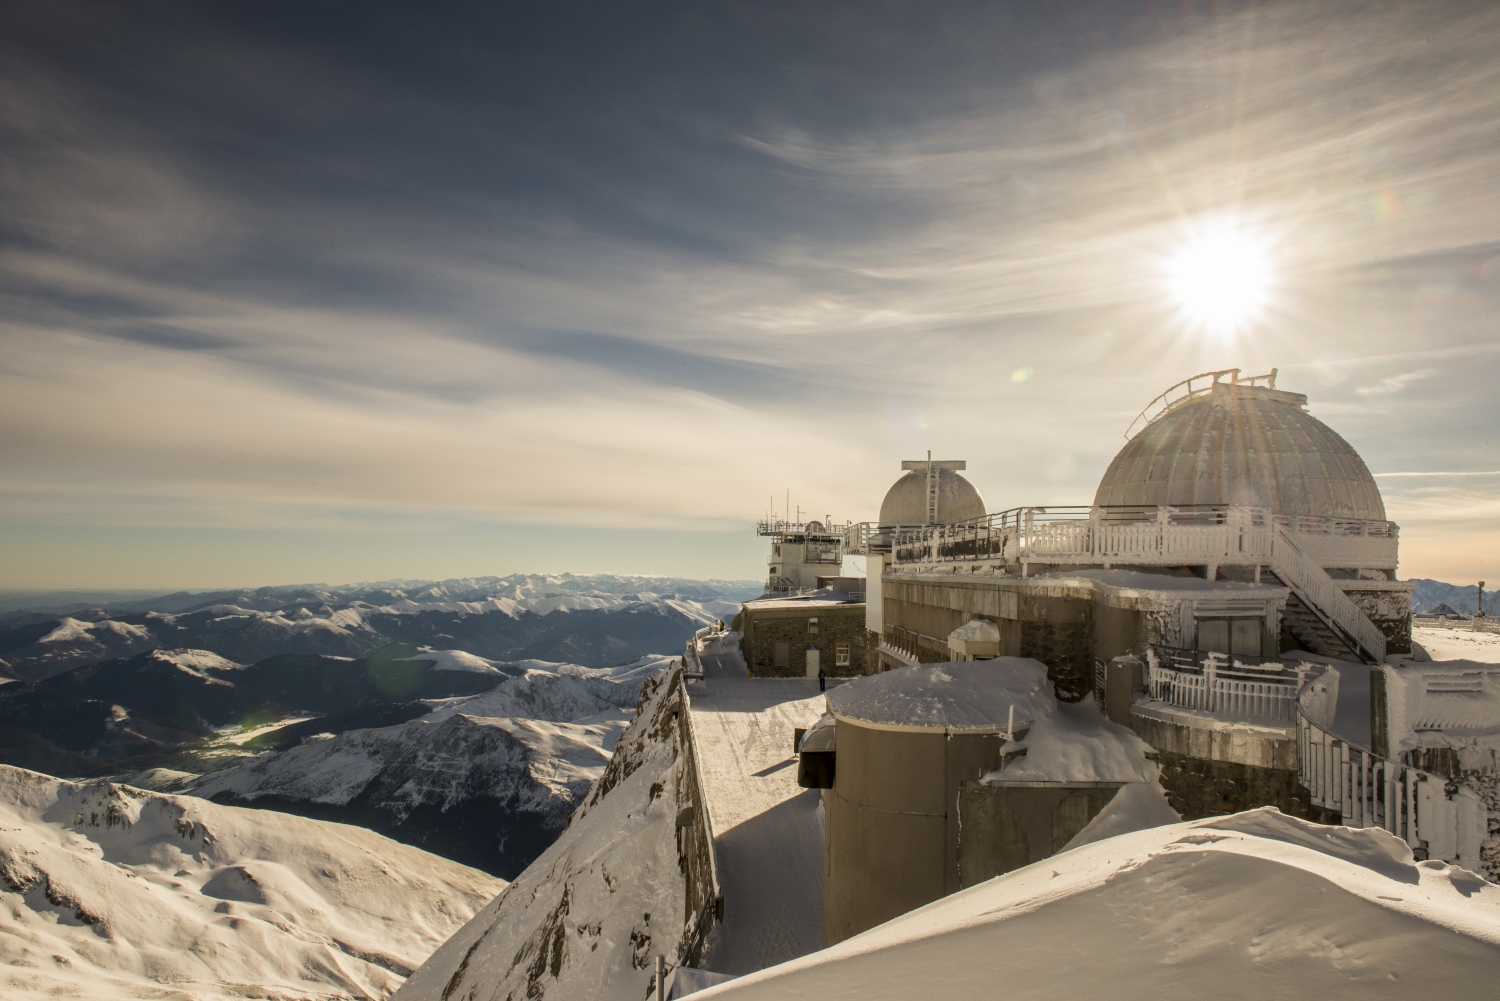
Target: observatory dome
[[1242, 444], [906, 502]]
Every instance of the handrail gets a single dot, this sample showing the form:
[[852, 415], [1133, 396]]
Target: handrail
[[1325, 598], [1436, 817], [1191, 393]]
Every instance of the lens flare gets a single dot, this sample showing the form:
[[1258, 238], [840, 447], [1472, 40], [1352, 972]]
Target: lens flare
[[1222, 277]]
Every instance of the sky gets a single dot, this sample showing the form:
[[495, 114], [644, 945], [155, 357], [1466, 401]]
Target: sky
[[337, 292]]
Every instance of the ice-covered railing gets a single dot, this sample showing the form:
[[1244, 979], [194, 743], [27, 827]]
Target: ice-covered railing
[[1438, 818], [1218, 684], [1142, 535]]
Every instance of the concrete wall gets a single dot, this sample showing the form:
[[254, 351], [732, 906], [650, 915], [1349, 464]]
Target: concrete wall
[[892, 826], [1389, 608], [763, 628], [1007, 827], [1052, 624]]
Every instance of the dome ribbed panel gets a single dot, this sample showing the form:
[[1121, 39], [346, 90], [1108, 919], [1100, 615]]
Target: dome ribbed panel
[[1232, 448], [906, 502]]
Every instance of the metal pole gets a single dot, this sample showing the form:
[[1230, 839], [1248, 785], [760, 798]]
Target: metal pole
[[661, 977]]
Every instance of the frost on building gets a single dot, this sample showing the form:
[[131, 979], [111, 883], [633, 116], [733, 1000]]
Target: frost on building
[[1444, 719]]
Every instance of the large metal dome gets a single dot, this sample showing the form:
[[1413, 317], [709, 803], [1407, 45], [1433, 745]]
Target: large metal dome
[[1235, 443], [906, 502]]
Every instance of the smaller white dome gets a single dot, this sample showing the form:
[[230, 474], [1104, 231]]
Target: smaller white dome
[[906, 502]]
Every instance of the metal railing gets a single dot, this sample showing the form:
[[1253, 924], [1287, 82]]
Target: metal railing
[[1192, 388], [1216, 683], [830, 530], [1438, 818]]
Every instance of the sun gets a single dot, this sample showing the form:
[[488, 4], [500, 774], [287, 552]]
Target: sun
[[1222, 277]]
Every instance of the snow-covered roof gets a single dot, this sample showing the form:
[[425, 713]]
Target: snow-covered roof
[[975, 696], [977, 631], [1256, 904], [825, 598], [1457, 697]]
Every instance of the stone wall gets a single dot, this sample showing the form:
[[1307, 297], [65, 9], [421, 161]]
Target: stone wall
[[1199, 787], [837, 624], [1067, 650], [1390, 610]]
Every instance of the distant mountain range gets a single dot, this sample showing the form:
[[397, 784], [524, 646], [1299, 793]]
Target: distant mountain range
[[596, 621], [462, 716], [1462, 598]]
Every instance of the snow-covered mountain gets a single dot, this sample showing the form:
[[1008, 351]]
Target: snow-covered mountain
[[598, 621], [1463, 598], [587, 917], [110, 892], [488, 780]]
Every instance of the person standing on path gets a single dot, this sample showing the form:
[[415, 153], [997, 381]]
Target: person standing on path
[[822, 680]]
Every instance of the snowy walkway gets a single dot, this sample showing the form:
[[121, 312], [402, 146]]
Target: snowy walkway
[[766, 830], [722, 658]]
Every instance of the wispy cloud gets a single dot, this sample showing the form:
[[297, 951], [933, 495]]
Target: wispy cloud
[[1396, 383], [246, 296]]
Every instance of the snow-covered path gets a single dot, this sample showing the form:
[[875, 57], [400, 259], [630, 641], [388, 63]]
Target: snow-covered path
[[1459, 644], [766, 830], [722, 658]]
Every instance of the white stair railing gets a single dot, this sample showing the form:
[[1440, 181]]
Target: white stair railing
[[1326, 599]]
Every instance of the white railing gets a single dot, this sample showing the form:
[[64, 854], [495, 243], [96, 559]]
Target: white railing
[[1164, 536], [1436, 817], [1227, 688], [1139, 535], [1326, 598], [692, 654]]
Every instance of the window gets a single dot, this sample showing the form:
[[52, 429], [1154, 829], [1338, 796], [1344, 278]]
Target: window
[[783, 654], [841, 655], [812, 624]]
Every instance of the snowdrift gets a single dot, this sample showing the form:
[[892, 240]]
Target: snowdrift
[[110, 892], [1252, 905]]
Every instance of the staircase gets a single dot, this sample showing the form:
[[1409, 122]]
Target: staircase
[[1311, 632], [1318, 612]]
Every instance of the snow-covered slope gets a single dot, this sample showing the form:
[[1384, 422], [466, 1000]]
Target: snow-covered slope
[[585, 920], [492, 793], [547, 695], [109, 892], [1255, 905]]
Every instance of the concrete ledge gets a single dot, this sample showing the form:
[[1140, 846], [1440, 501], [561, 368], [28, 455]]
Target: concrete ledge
[[1211, 738]]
